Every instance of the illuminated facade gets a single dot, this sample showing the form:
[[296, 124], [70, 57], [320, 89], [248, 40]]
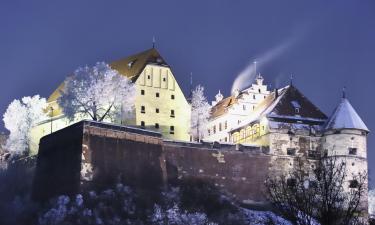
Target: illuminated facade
[[228, 113], [160, 104]]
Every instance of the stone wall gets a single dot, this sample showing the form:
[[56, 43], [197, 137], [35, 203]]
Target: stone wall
[[90, 155]]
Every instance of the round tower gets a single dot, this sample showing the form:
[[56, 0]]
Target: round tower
[[345, 137]]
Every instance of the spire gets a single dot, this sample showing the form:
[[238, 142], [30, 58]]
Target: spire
[[291, 79], [344, 92], [153, 41]]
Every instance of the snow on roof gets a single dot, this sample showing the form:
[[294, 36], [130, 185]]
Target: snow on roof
[[345, 116]]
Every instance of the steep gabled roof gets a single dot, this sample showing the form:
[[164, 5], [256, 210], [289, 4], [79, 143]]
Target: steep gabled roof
[[345, 117], [280, 105], [222, 107], [131, 67], [292, 99]]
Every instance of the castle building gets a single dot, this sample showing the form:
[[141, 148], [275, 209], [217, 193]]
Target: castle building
[[227, 113], [160, 104]]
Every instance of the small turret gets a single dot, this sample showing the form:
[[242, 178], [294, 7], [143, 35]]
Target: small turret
[[259, 79], [218, 98]]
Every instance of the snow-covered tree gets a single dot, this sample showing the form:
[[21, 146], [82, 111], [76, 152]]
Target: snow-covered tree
[[19, 118], [200, 113], [98, 92]]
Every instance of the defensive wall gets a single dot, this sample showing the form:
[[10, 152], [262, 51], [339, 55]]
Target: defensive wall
[[90, 154]]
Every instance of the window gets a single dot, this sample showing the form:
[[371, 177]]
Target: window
[[290, 151], [143, 124], [226, 139], [157, 110], [172, 97], [164, 79], [214, 129], [353, 184], [172, 113], [148, 77], [291, 182], [253, 107], [142, 92], [171, 129], [157, 94], [264, 96], [156, 125], [209, 132], [296, 106], [219, 126], [352, 151], [259, 90], [244, 107], [143, 109], [253, 96], [225, 125]]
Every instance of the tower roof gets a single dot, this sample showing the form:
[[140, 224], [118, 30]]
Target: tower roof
[[344, 116]]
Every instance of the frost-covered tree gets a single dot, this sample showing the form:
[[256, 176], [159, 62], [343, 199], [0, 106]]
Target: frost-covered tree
[[98, 92], [19, 118], [200, 113]]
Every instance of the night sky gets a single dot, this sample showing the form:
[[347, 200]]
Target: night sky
[[325, 44]]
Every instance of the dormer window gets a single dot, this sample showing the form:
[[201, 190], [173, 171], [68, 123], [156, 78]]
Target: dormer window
[[296, 106], [130, 64]]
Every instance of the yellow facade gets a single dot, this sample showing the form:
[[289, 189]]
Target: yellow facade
[[160, 104]]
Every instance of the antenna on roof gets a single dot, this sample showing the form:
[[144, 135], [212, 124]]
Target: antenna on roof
[[153, 41], [344, 92]]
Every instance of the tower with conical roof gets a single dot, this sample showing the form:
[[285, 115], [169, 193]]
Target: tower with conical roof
[[345, 137]]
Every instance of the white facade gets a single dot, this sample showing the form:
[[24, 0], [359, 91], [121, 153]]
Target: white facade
[[235, 109]]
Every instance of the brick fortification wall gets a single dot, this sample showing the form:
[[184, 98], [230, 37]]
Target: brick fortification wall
[[94, 155]]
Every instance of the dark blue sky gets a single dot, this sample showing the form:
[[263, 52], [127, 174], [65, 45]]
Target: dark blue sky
[[43, 41]]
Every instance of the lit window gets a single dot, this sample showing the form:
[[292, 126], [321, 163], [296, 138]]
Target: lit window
[[156, 125], [142, 92], [171, 129], [157, 94], [157, 110], [143, 109], [143, 124], [172, 113], [172, 96]]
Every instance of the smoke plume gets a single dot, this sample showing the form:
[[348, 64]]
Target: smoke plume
[[247, 75]]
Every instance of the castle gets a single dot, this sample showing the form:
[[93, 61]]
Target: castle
[[253, 131]]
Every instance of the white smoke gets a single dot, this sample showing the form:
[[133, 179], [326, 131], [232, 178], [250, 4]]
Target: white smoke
[[246, 77]]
